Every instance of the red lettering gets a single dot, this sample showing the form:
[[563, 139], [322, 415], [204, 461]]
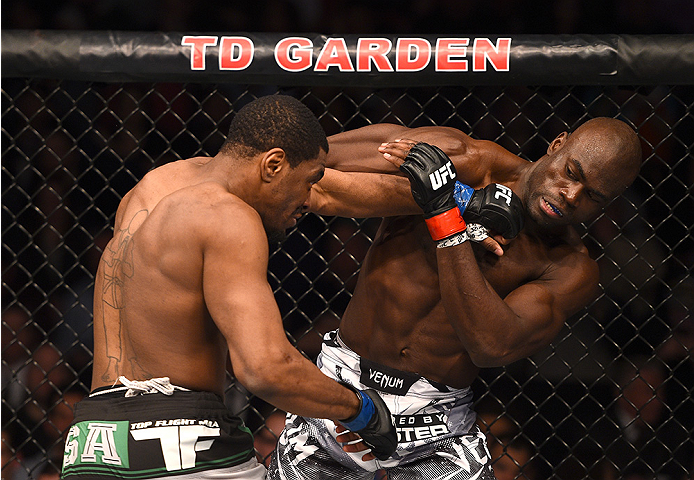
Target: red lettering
[[334, 53], [413, 54], [235, 53], [197, 49], [447, 49], [294, 54], [498, 56], [373, 49]]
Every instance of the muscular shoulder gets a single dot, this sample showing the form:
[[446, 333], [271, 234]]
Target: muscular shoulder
[[210, 207], [203, 221], [571, 263], [226, 231], [153, 187]]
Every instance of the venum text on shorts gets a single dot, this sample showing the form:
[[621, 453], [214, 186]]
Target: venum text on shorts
[[385, 379]]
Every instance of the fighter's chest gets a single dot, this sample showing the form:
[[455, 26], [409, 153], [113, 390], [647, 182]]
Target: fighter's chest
[[407, 246], [525, 259]]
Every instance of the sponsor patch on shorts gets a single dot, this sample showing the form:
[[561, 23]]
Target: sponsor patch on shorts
[[148, 449], [97, 443], [411, 428], [385, 379]]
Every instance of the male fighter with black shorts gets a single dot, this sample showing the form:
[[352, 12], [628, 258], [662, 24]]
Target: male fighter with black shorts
[[431, 308], [182, 287]]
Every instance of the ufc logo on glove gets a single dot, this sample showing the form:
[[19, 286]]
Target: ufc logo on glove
[[503, 191], [438, 178]]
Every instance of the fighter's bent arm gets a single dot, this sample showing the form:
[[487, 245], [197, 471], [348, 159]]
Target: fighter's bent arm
[[498, 331], [241, 302]]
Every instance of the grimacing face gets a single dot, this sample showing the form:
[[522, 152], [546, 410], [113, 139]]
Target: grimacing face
[[575, 181]]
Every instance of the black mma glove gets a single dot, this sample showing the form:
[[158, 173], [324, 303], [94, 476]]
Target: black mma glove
[[497, 208], [373, 423], [432, 179]]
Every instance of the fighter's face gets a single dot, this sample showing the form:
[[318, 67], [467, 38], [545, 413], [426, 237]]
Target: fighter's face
[[582, 172], [293, 193], [570, 186]]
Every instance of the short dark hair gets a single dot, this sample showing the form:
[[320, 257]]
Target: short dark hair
[[276, 121]]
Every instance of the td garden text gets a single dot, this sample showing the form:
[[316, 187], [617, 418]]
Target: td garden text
[[297, 54]]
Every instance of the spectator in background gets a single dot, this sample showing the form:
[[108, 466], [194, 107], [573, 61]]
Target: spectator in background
[[638, 436], [20, 337], [512, 458], [11, 461], [494, 422], [42, 456], [60, 416]]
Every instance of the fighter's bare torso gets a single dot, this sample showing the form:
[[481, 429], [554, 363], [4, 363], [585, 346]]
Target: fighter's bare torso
[[396, 316], [129, 336]]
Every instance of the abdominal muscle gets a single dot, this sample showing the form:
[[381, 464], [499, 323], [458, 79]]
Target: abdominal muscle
[[429, 349], [396, 317]]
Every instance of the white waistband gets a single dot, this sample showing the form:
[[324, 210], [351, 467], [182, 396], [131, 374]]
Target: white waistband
[[141, 387]]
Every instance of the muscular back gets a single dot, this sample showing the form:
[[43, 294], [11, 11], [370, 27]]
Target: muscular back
[[149, 315], [396, 316]]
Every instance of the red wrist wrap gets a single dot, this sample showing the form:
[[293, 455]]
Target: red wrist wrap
[[445, 224]]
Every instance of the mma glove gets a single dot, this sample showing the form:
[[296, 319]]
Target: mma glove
[[373, 423], [432, 180], [495, 207]]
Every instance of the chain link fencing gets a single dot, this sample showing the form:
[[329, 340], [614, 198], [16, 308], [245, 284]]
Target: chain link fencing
[[72, 149]]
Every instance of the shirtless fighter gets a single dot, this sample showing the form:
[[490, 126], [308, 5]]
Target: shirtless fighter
[[423, 320], [182, 287]]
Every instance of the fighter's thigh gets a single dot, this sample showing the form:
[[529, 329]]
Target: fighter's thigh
[[299, 456], [456, 458]]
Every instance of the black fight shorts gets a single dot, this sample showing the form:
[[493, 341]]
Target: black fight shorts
[[183, 435]]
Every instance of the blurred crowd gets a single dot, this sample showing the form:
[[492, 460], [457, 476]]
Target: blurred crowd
[[612, 398], [358, 16]]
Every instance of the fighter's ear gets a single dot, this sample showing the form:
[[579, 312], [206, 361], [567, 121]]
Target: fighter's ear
[[557, 143], [272, 163]]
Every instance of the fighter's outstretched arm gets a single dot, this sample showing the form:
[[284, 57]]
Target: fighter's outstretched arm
[[360, 183], [357, 150], [362, 195], [241, 303]]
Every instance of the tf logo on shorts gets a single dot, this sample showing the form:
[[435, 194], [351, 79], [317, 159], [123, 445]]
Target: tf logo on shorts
[[104, 447]]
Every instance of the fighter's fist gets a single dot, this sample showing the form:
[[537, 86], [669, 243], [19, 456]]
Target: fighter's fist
[[497, 208], [373, 423], [432, 179]]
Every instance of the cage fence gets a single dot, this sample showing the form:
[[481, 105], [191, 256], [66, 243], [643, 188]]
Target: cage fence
[[71, 149]]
